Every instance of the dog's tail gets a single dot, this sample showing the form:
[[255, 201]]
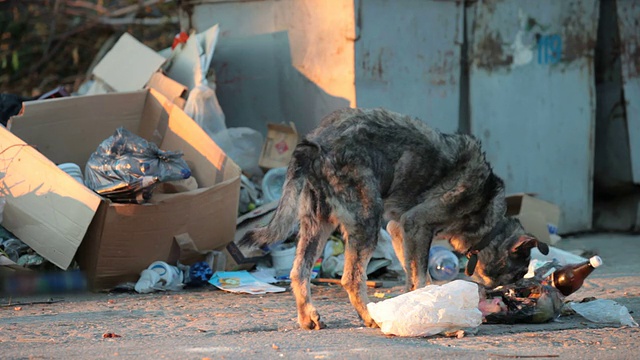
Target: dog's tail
[[285, 219]]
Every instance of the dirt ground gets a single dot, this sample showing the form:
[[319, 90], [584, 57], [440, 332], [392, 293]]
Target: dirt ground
[[209, 323]]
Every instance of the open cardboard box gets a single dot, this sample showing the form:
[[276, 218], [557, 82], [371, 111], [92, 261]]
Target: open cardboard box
[[538, 217], [57, 216]]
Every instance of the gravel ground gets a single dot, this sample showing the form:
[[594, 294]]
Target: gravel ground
[[209, 323]]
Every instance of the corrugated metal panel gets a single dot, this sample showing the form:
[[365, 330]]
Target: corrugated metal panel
[[280, 60], [629, 27], [407, 58], [532, 98]]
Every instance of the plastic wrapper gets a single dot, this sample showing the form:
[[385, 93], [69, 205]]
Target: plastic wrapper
[[529, 300], [430, 310], [604, 311], [126, 168]]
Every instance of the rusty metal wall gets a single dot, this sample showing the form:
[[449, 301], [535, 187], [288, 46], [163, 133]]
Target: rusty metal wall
[[407, 58], [629, 28], [532, 98], [279, 60]]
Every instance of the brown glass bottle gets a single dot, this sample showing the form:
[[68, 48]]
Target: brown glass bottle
[[569, 278]]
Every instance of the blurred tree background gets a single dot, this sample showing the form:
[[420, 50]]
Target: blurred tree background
[[48, 43]]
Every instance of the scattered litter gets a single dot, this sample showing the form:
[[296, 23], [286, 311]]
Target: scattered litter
[[563, 257], [160, 276], [430, 310], [380, 295], [242, 282], [604, 311]]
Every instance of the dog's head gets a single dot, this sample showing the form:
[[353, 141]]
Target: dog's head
[[506, 257]]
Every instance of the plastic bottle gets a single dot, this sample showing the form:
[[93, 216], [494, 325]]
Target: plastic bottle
[[443, 264], [569, 278], [272, 183]]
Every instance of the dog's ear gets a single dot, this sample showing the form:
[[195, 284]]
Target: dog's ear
[[525, 243], [452, 195]]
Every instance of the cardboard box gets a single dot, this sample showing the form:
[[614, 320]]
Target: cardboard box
[[57, 216], [239, 258], [538, 217], [278, 146]]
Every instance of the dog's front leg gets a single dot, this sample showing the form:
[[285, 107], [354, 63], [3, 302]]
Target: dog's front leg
[[312, 238], [417, 233]]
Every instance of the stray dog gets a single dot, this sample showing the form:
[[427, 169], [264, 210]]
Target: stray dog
[[361, 166]]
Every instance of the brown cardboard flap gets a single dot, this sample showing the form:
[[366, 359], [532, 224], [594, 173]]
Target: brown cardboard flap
[[29, 180], [190, 254], [171, 89], [536, 215]]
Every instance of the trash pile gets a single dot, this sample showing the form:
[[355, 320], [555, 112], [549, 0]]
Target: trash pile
[[168, 189]]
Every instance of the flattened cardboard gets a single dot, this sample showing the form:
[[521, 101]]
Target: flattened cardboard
[[239, 258], [121, 240], [278, 146], [46, 208], [537, 216], [128, 65]]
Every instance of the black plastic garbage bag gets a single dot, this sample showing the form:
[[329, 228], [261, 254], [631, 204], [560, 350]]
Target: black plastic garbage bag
[[10, 105], [126, 168]]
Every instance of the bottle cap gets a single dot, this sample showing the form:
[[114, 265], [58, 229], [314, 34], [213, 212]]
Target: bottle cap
[[595, 261]]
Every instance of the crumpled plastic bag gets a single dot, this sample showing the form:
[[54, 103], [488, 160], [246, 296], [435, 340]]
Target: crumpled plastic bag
[[202, 106], [126, 168], [430, 310], [243, 145], [604, 311]]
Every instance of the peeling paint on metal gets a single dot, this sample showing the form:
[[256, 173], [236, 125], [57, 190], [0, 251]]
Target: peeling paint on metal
[[532, 100], [407, 58], [629, 26], [490, 54], [522, 52], [577, 33]]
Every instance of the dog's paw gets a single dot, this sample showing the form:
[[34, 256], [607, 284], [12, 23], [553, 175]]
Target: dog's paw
[[311, 321], [372, 324]]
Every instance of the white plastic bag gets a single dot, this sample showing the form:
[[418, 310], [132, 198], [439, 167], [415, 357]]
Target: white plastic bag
[[243, 145], [605, 312], [430, 310], [202, 106]]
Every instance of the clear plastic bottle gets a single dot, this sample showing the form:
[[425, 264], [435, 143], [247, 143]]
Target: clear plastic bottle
[[443, 264]]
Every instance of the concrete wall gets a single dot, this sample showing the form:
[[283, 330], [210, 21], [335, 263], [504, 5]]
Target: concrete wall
[[280, 60]]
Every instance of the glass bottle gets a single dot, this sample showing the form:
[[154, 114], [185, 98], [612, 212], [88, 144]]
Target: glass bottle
[[569, 278]]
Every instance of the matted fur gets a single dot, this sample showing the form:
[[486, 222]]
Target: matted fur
[[361, 166]]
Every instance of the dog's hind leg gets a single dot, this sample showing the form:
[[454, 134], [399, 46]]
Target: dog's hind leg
[[360, 243], [313, 236]]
